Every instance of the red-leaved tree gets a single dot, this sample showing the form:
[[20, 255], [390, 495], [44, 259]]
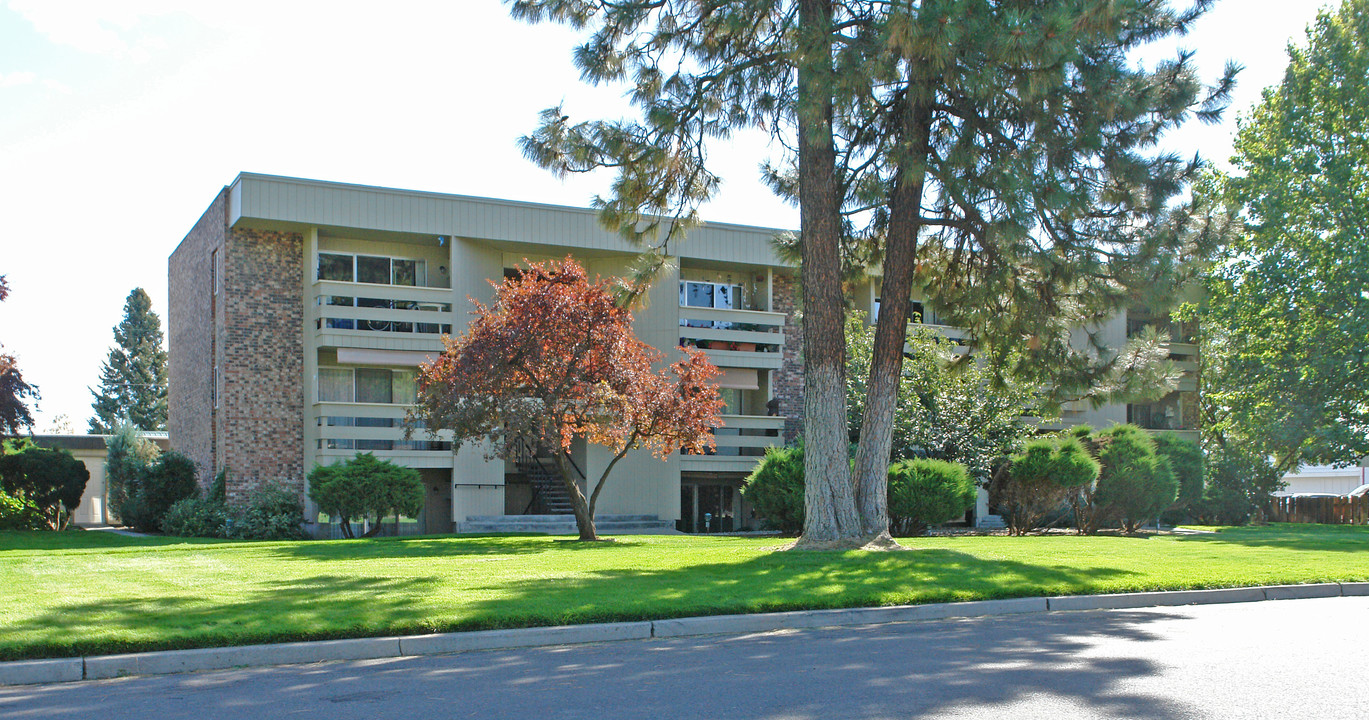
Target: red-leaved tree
[[14, 412], [555, 358]]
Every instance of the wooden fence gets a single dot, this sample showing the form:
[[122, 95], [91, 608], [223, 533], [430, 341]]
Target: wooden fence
[[1326, 510]]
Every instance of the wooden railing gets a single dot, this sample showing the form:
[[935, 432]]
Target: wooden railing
[[1325, 510]]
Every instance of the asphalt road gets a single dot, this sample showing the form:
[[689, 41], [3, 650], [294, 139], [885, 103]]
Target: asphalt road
[[1281, 659]]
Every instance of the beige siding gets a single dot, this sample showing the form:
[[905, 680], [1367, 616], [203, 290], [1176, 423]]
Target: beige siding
[[258, 198]]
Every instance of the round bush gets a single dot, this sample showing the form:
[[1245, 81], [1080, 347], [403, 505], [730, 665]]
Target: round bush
[[775, 489], [196, 517], [926, 492]]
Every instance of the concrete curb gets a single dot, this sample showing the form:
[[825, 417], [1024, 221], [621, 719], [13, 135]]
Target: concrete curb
[[33, 672]]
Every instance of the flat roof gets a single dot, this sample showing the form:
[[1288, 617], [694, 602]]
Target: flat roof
[[273, 200]]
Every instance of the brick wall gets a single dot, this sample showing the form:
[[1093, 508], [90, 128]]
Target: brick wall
[[261, 418], [788, 380], [190, 335]]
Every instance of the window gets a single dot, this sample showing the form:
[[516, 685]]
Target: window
[[709, 295], [374, 269], [368, 385], [335, 267], [335, 385], [215, 271]]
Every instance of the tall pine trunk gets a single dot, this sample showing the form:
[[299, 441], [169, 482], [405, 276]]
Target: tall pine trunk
[[891, 329], [829, 500]]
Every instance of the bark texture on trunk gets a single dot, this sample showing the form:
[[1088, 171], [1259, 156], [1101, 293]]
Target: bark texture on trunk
[[830, 508], [584, 514], [891, 328]]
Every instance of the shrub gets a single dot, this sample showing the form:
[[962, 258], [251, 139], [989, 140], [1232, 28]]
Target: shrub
[[1040, 478], [18, 513], [196, 517], [1238, 486], [273, 513], [1136, 484], [50, 480], [927, 492], [365, 487], [1186, 460], [127, 459], [775, 489]]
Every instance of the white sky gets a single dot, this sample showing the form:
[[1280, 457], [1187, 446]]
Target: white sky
[[121, 119]]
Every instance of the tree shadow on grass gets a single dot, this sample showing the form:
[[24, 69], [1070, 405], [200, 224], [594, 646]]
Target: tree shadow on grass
[[1291, 536], [47, 540], [329, 605], [434, 546], [309, 608]]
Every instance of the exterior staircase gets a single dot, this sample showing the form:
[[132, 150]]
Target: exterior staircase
[[565, 524], [547, 489]]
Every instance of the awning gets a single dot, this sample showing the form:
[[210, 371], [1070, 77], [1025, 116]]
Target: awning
[[739, 379], [367, 356]]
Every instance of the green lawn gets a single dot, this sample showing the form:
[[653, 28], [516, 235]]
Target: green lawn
[[87, 592]]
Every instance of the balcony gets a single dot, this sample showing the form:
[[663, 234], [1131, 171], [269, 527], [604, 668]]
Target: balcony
[[735, 338], [741, 442], [344, 429], [394, 317]]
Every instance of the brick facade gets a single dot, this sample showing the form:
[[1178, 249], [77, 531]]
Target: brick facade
[[251, 330], [261, 350], [788, 380], [189, 317]]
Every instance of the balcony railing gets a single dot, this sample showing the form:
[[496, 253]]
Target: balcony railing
[[741, 442], [735, 338], [361, 309], [345, 429]]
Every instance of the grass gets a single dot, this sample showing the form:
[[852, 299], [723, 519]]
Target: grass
[[64, 594]]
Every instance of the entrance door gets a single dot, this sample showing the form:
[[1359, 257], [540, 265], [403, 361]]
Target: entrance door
[[437, 502]]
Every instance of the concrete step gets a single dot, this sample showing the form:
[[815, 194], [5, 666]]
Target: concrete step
[[565, 524]]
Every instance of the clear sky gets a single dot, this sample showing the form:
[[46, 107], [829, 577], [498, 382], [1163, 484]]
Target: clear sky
[[121, 119]]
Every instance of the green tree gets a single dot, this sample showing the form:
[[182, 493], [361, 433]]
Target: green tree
[[775, 488], [133, 378], [1135, 483], [49, 478], [1041, 478], [924, 492], [948, 407], [1285, 333], [365, 488], [128, 456], [1006, 148], [14, 392], [1186, 459]]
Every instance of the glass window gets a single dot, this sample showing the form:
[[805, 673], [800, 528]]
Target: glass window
[[699, 294], [373, 269], [374, 386], [335, 267], [334, 385], [408, 272], [404, 386]]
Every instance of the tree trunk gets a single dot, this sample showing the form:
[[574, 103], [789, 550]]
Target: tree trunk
[[584, 514], [830, 509], [891, 328]]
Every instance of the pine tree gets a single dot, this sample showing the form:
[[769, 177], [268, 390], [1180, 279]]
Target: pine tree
[[999, 153], [133, 378]]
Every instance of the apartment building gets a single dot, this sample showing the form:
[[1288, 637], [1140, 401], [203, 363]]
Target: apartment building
[[301, 309], [1176, 412]]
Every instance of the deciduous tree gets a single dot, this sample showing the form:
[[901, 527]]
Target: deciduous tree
[[554, 358], [14, 392], [1285, 333]]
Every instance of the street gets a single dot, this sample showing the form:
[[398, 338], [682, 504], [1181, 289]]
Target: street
[[1293, 658]]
